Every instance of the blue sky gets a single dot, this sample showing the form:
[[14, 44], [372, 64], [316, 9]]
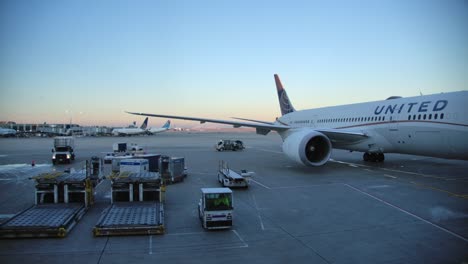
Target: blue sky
[[91, 60]]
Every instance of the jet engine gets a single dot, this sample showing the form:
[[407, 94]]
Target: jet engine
[[308, 147]]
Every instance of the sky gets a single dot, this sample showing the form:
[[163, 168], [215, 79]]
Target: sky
[[89, 61]]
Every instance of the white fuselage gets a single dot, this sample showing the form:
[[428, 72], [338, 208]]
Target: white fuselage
[[157, 130], [7, 132], [430, 125], [128, 131]]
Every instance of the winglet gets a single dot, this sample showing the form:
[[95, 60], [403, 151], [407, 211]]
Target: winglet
[[285, 104]]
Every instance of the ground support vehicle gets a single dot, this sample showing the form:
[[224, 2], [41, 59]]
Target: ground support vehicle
[[215, 208], [172, 169], [229, 144], [137, 206], [61, 200], [122, 149], [230, 178], [63, 150]]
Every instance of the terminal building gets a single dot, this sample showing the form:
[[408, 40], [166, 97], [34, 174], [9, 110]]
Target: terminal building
[[57, 129]]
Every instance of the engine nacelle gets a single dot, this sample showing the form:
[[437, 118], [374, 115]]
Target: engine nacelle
[[308, 147]]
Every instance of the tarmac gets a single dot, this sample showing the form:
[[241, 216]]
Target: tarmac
[[408, 209]]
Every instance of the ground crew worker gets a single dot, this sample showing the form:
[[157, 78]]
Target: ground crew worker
[[222, 199]]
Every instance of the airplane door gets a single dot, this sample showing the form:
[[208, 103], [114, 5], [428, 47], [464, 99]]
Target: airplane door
[[395, 132], [313, 123]]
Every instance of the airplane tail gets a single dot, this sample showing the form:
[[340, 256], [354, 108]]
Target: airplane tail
[[167, 124], [145, 124], [285, 104]]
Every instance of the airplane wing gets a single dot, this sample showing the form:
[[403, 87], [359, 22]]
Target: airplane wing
[[262, 128], [343, 137], [253, 120]]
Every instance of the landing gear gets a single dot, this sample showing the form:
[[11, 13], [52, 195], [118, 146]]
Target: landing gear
[[374, 157]]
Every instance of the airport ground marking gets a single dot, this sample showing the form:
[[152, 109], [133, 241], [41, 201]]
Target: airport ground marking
[[386, 169], [150, 247], [464, 196], [185, 234], [408, 213], [240, 238], [245, 245], [415, 173], [264, 186], [271, 151], [258, 213], [304, 186], [390, 176], [103, 250]]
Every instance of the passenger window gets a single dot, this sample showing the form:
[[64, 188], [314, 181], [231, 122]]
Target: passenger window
[[409, 117], [424, 117], [442, 116], [419, 117], [435, 116], [430, 116]]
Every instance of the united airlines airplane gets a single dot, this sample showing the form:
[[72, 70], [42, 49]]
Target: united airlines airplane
[[428, 125], [131, 131]]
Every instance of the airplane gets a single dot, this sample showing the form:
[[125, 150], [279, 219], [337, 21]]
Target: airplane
[[131, 131], [155, 130], [7, 132], [429, 125]]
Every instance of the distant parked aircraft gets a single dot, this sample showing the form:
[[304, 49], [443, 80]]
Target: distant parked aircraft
[[7, 132], [131, 131], [429, 125], [165, 127]]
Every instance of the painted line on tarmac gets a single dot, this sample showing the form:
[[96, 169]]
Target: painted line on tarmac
[[440, 190], [304, 186], [185, 234], [415, 173], [390, 176], [264, 186], [408, 213], [391, 170], [258, 213], [271, 151], [240, 238], [150, 247]]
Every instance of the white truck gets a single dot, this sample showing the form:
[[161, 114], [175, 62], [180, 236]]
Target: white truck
[[126, 148], [230, 178], [63, 150], [229, 144], [215, 208]]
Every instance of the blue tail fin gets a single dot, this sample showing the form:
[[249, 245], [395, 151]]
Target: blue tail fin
[[145, 124], [167, 124], [285, 104]]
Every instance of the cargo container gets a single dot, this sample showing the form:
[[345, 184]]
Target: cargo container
[[172, 169], [134, 165]]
